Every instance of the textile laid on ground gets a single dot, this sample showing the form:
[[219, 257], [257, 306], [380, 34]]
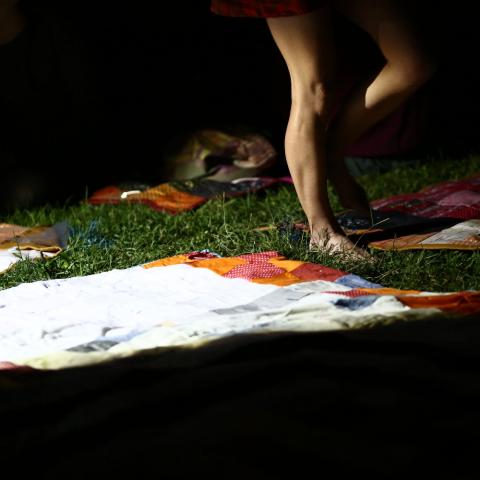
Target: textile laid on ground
[[219, 155], [192, 299], [207, 164], [180, 196], [428, 219], [455, 200], [380, 224], [452, 201], [18, 243], [462, 236], [395, 402], [458, 199]]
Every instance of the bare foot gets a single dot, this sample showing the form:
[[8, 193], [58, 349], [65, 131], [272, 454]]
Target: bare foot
[[334, 243]]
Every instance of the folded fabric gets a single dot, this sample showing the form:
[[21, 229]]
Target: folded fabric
[[18, 242], [220, 155], [190, 299]]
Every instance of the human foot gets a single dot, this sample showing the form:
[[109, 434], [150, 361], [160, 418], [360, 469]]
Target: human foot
[[334, 243]]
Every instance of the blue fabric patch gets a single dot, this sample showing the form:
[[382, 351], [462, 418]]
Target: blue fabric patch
[[354, 281], [356, 303]]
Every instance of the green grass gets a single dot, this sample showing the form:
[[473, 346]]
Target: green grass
[[134, 234]]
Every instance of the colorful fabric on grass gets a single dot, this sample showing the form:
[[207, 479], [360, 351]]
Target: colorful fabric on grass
[[441, 205], [459, 199], [180, 196], [19, 242], [190, 299], [428, 219], [462, 236]]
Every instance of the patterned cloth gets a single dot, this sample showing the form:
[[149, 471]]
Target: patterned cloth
[[206, 164], [459, 199], [265, 8], [192, 299], [443, 204], [429, 219], [181, 196], [462, 236]]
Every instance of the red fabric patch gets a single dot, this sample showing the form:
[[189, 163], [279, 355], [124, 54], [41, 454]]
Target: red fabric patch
[[200, 255], [312, 271], [16, 368], [352, 293], [258, 266], [463, 197], [464, 213], [460, 302], [259, 257], [106, 195], [453, 199]]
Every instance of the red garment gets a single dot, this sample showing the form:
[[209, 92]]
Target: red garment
[[265, 8]]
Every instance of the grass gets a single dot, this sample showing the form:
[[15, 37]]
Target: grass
[[107, 237]]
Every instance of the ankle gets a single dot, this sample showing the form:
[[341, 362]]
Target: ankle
[[325, 228]]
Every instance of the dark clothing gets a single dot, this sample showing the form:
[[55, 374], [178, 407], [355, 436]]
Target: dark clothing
[[266, 8]]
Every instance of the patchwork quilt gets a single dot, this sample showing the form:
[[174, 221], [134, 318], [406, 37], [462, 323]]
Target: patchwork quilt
[[456, 201], [190, 299], [442, 216]]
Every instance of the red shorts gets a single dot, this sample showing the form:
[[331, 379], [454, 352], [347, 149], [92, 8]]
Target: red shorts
[[265, 8]]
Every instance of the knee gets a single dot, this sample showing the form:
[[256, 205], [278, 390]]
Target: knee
[[314, 99]]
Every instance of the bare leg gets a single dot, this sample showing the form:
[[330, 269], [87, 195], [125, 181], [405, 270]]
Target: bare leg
[[407, 67], [306, 43]]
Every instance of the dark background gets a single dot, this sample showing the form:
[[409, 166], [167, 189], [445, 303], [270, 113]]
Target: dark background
[[93, 91]]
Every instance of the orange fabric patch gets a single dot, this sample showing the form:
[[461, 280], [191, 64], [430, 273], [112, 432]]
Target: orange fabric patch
[[400, 243], [287, 265], [389, 291], [164, 197], [413, 242], [176, 260], [461, 302], [107, 195], [280, 280], [167, 198], [219, 265], [312, 271]]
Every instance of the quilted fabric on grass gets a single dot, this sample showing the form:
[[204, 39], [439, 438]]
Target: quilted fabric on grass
[[191, 299]]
